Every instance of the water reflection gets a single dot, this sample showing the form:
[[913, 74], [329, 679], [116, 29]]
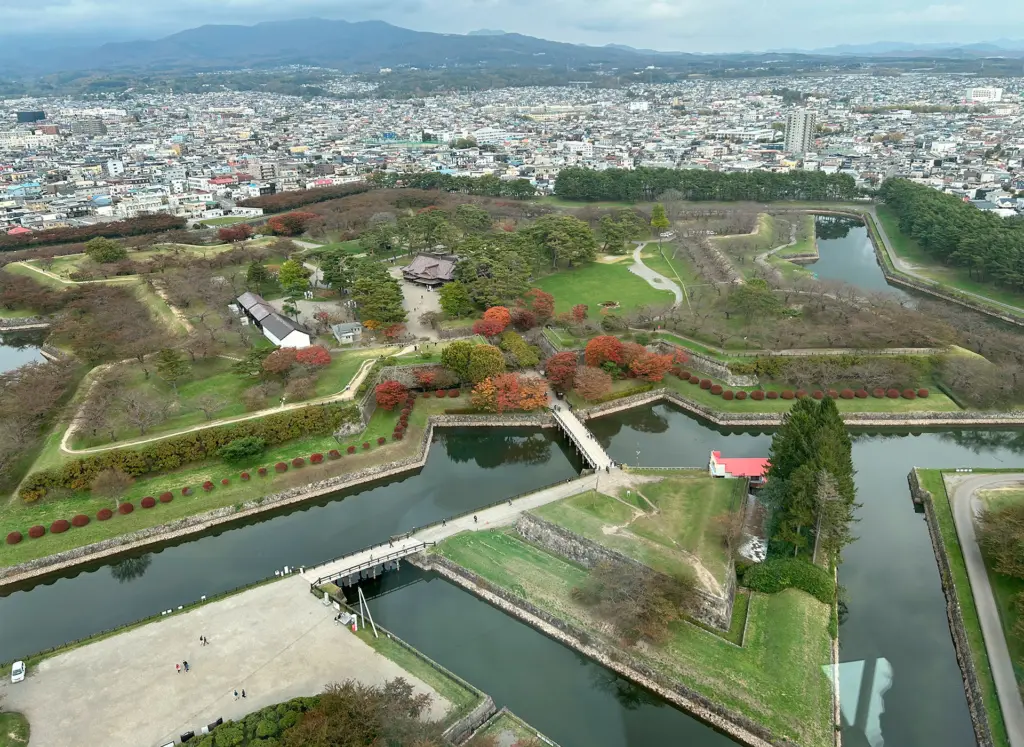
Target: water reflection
[[19, 348], [833, 227], [131, 569], [465, 445]]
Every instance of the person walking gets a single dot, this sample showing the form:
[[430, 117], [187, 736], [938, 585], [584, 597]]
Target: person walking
[[243, 692], [236, 694], [177, 668], [475, 520], [185, 664]]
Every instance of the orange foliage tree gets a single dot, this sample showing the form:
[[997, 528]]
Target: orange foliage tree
[[315, 355], [630, 352], [602, 349], [290, 224], [280, 361], [500, 315], [510, 392], [650, 366], [561, 370], [578, 313], [592, 383], [488, 327], [390, 394], [541, 303]]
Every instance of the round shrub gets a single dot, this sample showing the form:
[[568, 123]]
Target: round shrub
[[334, 454], [166, 497], [298, 462], [923, 393], [425, 395], [833, 394], [225, 481], [892, 393], [262, 471], [399, 429], [79, 520], [104, 513], [405, 412], [208, 486], [741, 395], [148, 502], [244, 477], [801, 393], [778, 574], [878, 393], [125, 508], [787, 394], [13, 538], [397, 436], [846, 394], [186, 491], [705, 383], [280, 467], [351, 449], [757, 395], [454, 393], [366, 445], [909, 394], [728, 394], [440, 394], [684, 375], [694, 380], [716, 389], [60, 526], [818, 394], [861, 394], [771, 395], [381, 441], [37, 531], [316, 458]]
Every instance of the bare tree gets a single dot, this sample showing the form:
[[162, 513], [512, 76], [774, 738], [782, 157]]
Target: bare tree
[[111, 483], [143, 411], [209, 404]]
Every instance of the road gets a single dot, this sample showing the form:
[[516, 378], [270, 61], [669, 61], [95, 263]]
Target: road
[[654, 279], [962, 490], [417, 300]]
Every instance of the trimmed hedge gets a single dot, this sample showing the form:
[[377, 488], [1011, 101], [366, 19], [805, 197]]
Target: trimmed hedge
[[757, 395], [705, 383], [208, 486], [694, 380], [397, 436], [351, 449], [923, 393], [728, 394], [316, 458], [716, 389], [381, 440], [861, 394], [909, 394], [454, 393], [366, 445], [60, 526], [79, 520], [834, 394], [14, 538], [801, 393], [298, 462], [603, 398], [125, 508], [186, 490], [103, 514], [37, 531], [778, 574], [772, 394], [173, 453], [334, 454], [225, 481], [262, 471], [741, 395], [846, 394], [787, 394], [893, 393], [166, 497], [244, 477], [280, 467], [878, 393], [148, 502]]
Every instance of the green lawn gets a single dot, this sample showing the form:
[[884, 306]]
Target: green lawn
[[345, 247], [594, 283], [805, 240], [559, 202], [17, 313], [507, 728], [775, 678], [931, 480], [925, 264], [14, 731], [665, 540], [227, 220], [16, 516]]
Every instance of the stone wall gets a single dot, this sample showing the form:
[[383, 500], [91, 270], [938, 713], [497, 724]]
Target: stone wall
[[737, 726], [707, 365], [972, 687], [25, 322], [465, 726], [713, 610]]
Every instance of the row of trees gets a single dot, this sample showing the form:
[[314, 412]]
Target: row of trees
[[283, 201], [144, 224], [956, 233], [487, 186], [646, 184]]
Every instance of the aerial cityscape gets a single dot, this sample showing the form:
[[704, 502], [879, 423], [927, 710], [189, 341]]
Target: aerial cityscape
[[435, 377]]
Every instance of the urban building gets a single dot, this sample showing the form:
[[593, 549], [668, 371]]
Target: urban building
[[91, 126], [800, 129], [985, 95]]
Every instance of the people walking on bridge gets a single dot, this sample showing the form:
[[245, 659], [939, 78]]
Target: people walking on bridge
[[185, 664], [475, 519]]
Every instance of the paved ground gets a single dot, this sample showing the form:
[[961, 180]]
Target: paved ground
[[962, 491], [417, 300], [584, 438], [275, 641], [654, 279]]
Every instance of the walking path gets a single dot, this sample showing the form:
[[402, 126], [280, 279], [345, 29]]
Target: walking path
[[654, 279], [501, 515], [581, 436], [965, 503], [275, 641]]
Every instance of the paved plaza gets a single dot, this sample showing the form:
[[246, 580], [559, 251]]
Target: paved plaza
[[275, 641]]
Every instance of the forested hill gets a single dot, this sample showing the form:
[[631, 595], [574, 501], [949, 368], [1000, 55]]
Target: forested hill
[[990, 247], [645, 184]]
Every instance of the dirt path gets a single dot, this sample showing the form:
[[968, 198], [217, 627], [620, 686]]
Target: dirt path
[[655, 279]]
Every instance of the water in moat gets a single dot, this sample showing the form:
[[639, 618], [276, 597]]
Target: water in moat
[[904, 684], [19, 348], [846, 254]]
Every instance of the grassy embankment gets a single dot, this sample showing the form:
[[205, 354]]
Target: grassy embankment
[[931, 480], [507, 728], [14, 730], [595, 283], [775, 677], [16, 516]]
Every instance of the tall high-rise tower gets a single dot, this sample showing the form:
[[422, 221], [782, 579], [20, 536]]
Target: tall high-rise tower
[[800, 126]]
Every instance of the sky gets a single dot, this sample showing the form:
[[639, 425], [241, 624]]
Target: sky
[[676, 25]]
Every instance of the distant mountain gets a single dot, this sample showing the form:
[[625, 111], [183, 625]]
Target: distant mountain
[[1007, 47], [487, 32]]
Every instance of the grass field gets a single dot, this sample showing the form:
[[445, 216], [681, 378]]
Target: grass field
[[686, 506], [595, 283], [14, 730], [227, 220], [17, 516], [346, 247], [931, 480], [68, 264], [775, 678], [924, 264], [805, 241]]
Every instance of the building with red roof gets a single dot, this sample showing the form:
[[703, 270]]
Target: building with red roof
[[18, 231], [754, 469]]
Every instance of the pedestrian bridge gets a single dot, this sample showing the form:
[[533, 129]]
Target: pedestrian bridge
[[584, 441]]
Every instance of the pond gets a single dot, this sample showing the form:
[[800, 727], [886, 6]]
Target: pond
[[846, 254], [19, 348]]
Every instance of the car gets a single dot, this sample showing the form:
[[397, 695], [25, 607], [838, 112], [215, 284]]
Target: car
[[18, 671]]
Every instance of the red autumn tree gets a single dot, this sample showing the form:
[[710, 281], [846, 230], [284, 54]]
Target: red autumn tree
[[540, 303], [579, 313], [488, 327], [394, 331], [425, 377], [523, 319], [592, 383], [280, 361], [602, 349], [290, 224], [510, 392], [230, 234], [630, 352], [499, 314], [561, 370], [315, 355], [390, 394], [651, 366]]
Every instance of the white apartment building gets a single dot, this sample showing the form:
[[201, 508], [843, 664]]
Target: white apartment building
[[985, 95], [800, 126]]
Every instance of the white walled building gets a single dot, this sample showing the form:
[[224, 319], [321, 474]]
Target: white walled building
[[800, 127]]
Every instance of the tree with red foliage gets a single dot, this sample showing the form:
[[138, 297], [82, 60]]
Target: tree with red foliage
[[425, 377], [500, 315], [488, 327], [631, 351], [394, 331], [279, 362], [602, 349], [230, 234], [542, 304], [510, 392], [523, 319], [290, 224], [650, 366], [390, 394], [592, 383], [315, 355], [579, 313], [561, 370]]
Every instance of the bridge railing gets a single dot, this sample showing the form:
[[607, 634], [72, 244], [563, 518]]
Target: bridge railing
[[572, 437], [396, 555]]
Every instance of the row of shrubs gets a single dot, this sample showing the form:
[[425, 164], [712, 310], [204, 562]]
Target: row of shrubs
[[80, 520], [788, 394], [173, 453]]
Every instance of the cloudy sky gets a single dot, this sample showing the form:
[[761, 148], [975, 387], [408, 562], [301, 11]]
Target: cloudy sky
[[684, 25]]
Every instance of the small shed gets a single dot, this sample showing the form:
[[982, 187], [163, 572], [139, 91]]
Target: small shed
[[347, 333], [754, 469]]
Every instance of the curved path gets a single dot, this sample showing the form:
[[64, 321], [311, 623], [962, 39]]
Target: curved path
[[654, 279], [962, 490]]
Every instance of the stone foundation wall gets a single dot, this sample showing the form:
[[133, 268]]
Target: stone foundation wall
[[713, 610], [735, 725], [972, 687], [25, 322], [707, 365]]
